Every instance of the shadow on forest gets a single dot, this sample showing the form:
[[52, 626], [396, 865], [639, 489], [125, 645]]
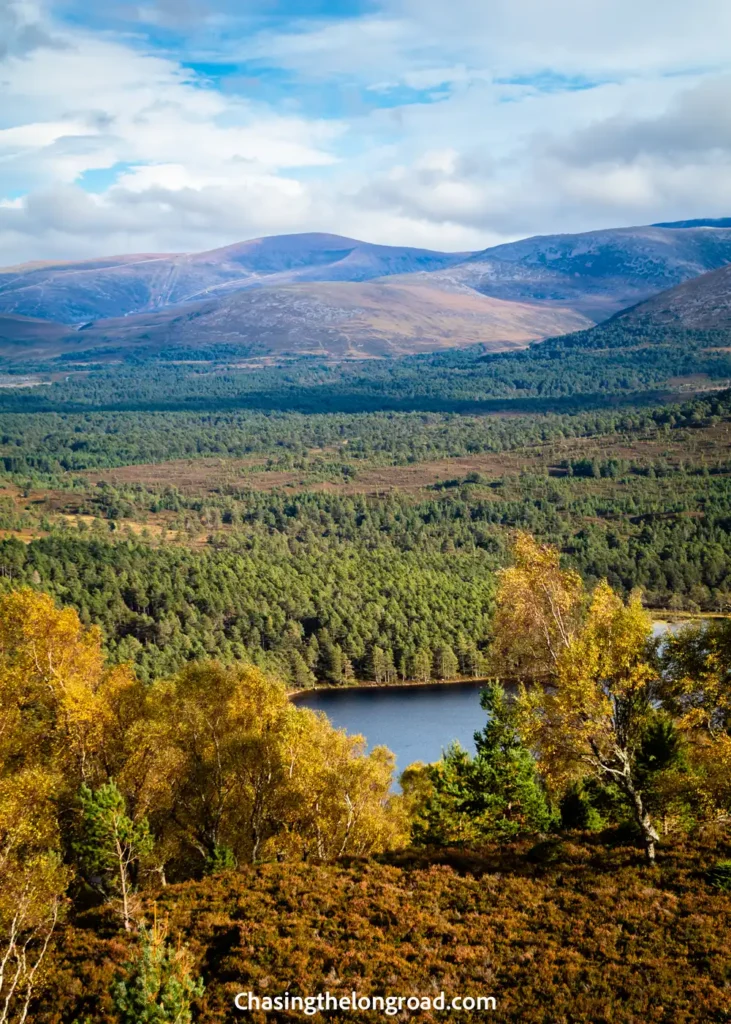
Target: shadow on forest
[[313, 400]]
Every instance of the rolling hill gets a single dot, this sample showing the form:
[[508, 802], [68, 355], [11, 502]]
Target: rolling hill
[[701, 304], [332, 319]]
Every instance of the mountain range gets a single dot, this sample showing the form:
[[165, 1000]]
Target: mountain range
[[337, 296]]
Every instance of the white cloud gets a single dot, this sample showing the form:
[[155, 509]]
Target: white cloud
[[507, 38], [529, 117], [21, 30], [92, 102]]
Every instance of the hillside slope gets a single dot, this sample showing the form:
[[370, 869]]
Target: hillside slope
[[24, 337], [591, 936], [701, 304], [342, 319]]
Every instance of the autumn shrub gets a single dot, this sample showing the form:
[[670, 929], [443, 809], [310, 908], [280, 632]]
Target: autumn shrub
[[547, 851], [594, 937], [578, 811]]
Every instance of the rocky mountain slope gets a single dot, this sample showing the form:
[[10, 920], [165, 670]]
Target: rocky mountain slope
[[98, 289], [597, 273]]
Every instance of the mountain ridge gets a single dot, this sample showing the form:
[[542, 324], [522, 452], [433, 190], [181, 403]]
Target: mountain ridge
[[595, 273], [73, 292], [335, 296]]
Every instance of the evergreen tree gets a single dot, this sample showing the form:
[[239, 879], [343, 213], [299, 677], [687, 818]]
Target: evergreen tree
[[110, 845], [378, 664], [159, 987], [445, 663], [301, 674], [497, 794], [506, 770], [421, 665]]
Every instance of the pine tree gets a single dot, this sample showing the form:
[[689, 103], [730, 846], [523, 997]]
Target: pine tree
[[159, 988], [378, 664], [495, 795], [301, 674], [505, 770], [110, 845], [445, 663], [421, 665]]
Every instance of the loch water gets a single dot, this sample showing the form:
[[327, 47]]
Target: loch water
[[416, 722]]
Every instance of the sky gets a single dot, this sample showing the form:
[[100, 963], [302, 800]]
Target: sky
[[183, 125]]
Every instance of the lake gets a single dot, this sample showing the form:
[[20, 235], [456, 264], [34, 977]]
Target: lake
[[415, 722]]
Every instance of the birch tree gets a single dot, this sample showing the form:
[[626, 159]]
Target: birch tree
[[591, 716]]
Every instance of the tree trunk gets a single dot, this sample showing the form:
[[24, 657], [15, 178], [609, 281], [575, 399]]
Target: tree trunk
[[123, 886], [649, 833]]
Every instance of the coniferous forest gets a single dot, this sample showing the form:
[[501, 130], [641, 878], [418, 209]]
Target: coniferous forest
[[183, 544]]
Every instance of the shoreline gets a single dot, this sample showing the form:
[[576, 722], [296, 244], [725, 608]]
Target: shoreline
[[656, 614], [661, 615], [372, 685]]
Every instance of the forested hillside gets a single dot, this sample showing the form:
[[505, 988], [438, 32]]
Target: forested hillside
[[606, 366]]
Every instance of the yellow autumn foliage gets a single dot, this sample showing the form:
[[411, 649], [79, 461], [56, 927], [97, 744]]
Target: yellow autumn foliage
[[595, 707], [538, 610], [56, 696], [223, 766]]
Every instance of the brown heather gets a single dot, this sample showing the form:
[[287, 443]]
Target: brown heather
[[594, 936]]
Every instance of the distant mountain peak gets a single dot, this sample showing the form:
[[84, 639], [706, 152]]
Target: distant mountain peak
[[121, 286]]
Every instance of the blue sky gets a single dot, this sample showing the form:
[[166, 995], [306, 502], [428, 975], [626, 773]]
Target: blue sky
[[160, 125]]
